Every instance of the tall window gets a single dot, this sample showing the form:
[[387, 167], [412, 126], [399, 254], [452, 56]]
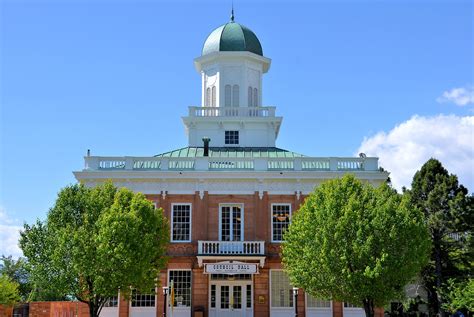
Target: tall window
[[235, 96], [255, 97], [228, 96], [281, 290], [250, 97], [208, 97], [213, 96], [281, 214], [231, 137], [181, 223], [313, 302], [182, 287], [143, 300]]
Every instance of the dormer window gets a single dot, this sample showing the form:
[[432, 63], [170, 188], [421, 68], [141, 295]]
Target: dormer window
[[231, 137]]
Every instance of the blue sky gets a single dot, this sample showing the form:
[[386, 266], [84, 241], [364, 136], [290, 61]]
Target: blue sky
[[116, 76]]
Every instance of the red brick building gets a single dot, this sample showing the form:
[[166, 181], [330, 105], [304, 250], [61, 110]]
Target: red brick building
[[229, 195]]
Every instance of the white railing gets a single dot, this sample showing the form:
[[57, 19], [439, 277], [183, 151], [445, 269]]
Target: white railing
[[232, 111], [231, 163], [231, 247]]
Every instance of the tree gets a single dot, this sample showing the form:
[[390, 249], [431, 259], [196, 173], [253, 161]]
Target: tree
[[449, 214], [17, 272], [355, 243], [459, 296], [96, 241], [9, 294]]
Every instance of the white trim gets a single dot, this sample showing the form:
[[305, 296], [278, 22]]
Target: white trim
[[270, 291], [190, 222], [242, 212], [271, 219], [242, 283]]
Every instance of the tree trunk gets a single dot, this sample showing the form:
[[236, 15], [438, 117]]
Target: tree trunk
[[438, 273], [369, 307], [93, 309]]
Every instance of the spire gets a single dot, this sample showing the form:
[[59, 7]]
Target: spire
[[232, 13]]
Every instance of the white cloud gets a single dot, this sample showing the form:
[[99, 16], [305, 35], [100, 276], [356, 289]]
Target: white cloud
[[9, 235], [460, 96], [404, 149]]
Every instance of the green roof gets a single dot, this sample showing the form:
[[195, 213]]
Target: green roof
[[250, 152], [232, 36]]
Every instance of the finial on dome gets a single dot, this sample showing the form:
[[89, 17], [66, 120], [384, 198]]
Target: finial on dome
[[232, 13]]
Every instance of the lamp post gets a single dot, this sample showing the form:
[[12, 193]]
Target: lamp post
[[295, 301], [165, 293]]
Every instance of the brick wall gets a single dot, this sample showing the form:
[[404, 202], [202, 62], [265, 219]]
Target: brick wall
[[58, 309]]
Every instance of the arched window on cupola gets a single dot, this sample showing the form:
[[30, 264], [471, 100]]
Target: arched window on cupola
[[208, 97], [228, 97], [250, 97], [235, 95], [213, 96], [255, 97]]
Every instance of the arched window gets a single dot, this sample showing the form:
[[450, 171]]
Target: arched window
[[250, 97], [208, 97], [213, 96], [255, 97], [235, 96], [227, 96]]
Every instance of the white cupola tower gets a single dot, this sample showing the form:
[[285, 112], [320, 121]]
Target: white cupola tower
[[231, 112]]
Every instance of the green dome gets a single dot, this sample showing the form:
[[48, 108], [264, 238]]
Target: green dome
[[232, 37]]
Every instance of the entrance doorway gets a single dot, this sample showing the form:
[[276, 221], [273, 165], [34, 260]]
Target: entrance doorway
[[230, 296]]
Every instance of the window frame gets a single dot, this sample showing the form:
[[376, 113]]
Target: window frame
[[190, 292], [270, 292], [190, 222], [316, 308], [238, 137], [271, 219], [242, 219], [144, 307]]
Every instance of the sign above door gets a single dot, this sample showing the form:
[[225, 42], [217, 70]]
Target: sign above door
[[231, 268]]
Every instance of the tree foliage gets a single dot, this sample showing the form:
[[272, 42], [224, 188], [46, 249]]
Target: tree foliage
[[94, 242], [9, 294], [459, 296], [449, 214], [16, 270], [355, 243]]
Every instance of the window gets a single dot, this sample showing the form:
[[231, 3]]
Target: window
[[182, 287], [208, 97], [228, 97], [213, 96], [250, 97], [281, 214], [111, 302], [349, 305], [313, 302], [255, 97], [143, 300], [181, 223], [281, 290], [231, 137], [235, 96]]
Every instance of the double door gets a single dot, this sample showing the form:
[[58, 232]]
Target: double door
[[231, 299]]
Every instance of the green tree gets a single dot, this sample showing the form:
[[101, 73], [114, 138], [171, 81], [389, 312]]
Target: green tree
[[9, 294], [449, 214], [459, 296], [355, 243], [94, 242], [17, 271]]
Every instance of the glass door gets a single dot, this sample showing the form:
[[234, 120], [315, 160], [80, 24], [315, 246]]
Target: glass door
[[231, 223]]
